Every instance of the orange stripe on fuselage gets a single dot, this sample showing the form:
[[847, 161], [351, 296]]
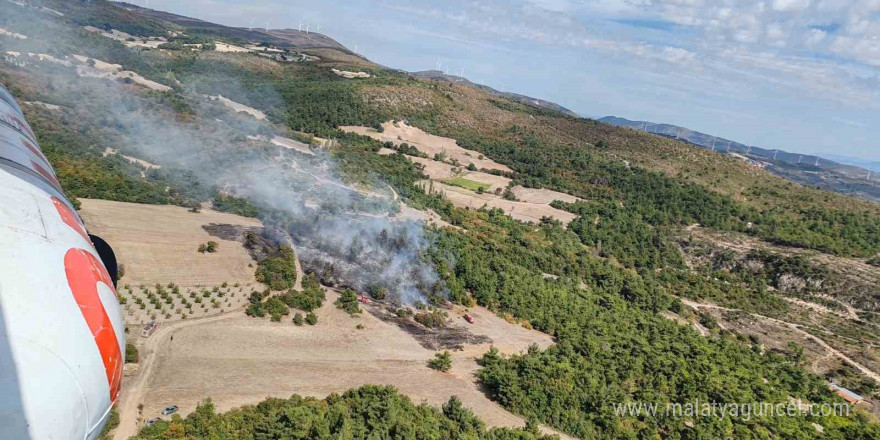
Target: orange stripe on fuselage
[[46, 174], [36, 151], [70, 219], [84, 272]]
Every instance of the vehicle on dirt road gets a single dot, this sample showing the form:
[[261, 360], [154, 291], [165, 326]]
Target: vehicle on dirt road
[[170, 410]]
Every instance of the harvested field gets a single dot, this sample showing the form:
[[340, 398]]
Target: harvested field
[[223, 47], [150, 166], [429, 144], [265, 359], [292, 145], [443, 171], [528, 212], [350, 75], [98, 64], [114, 72], [13, 55], [158, 244], [541, 196], [239, 108]]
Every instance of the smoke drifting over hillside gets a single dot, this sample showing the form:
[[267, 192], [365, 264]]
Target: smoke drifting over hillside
[[338, 232], [343, 234]]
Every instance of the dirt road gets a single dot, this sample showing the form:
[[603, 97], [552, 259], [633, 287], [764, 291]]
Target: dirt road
[[236, 360], [133, 390], [794, 327]]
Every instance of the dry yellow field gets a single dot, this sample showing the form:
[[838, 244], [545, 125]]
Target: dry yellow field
[[531, 206], [442, 171], [541, 196], [429, 144], [242, 360], [528, 212], [158, 244]]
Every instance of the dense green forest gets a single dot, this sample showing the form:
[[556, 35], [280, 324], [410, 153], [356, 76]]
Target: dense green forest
[[367, 413], [611, 341], [656, 200]]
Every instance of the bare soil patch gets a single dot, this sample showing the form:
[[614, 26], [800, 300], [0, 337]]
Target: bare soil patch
[[150, 166], [243, 360], [428, 216], [292, 145], [528, 212], [350, 75], [542, 196], [442, 171], [239, 108], [399, 133], [223, 47]]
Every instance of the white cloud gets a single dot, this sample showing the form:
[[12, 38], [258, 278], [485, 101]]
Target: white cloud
[[790, 5], [552, 5], [816, 36], [860, 49], [812, 48]]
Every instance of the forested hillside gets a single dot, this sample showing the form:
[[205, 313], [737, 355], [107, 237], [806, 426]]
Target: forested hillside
[[604, 286]]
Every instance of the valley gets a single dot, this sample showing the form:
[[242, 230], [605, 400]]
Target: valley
[[247, 178]]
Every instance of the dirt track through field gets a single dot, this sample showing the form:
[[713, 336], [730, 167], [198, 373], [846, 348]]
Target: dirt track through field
[[238, 360], [133, 389]]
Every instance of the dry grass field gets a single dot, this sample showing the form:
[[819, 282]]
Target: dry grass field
[[158, 244], [429, 144], [442, 171], [531, 206], [541, 196], [239, 108], [242, 360], [528, 212]]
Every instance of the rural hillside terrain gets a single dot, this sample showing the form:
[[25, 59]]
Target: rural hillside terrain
[[528, 100], [334, 249], [851, 177]]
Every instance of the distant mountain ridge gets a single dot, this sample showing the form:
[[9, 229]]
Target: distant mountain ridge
[[873, 165], [296, 39], [283, 38], [806, 169], [523, 99]]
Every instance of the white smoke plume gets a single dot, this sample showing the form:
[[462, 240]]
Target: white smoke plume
[[344, 233]]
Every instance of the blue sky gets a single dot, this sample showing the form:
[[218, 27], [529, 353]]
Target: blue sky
[[801, 75]]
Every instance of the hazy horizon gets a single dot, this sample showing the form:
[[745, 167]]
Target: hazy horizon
[[798, 75]]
